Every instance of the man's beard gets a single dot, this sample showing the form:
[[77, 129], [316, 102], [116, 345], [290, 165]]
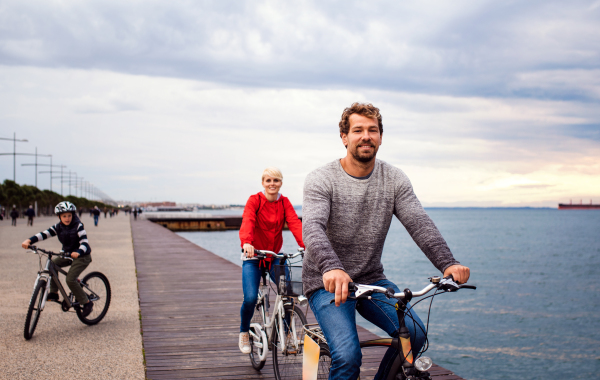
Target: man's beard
[[364, 158]]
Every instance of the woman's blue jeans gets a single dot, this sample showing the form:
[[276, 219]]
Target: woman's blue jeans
[[339, 326], [251, 276]]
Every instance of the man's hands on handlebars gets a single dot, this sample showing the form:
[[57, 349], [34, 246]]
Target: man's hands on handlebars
[[460, 273], [336, 281]]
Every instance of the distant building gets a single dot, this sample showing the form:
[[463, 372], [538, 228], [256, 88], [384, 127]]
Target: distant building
[[158, 204]]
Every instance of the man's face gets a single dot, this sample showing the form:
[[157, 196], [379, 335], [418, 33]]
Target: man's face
[[66, 218], [363, 138]]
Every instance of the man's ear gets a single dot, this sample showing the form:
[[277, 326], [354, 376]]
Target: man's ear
[[344, 139]]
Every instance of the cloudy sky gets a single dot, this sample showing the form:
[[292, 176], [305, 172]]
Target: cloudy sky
[[484, 103]]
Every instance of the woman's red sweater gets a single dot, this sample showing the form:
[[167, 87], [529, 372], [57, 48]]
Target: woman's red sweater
[[263, 222]]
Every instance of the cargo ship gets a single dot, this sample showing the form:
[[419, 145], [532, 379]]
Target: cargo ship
[[580, 206]]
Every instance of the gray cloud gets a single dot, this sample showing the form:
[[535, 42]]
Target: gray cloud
[[458, 48], [180, 96]]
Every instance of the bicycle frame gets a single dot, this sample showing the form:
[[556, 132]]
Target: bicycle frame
[[270, 325], [50, 273], [404, 361]]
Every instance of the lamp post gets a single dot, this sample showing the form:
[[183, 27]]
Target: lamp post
[[14, 153], [51, 171], [36, 165]]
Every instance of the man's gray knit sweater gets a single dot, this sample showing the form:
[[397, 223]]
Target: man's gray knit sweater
[[345, 222]]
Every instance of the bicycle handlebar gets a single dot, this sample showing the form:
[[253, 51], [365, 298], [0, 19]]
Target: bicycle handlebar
[[64, 255], [447, 284], [261, 254]]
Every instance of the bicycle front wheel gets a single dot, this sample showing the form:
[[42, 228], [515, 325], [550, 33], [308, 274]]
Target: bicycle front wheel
[[287, 355], [97, 288], [258, 345], [35, 308]]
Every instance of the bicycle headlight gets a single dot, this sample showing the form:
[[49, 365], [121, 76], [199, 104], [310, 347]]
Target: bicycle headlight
[[302, 301], [423, 363]]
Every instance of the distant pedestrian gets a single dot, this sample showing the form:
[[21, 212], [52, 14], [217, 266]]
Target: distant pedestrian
[[14, 214], [105, 212], [96, 213], [135, 212], [80, 212], [30, 212]]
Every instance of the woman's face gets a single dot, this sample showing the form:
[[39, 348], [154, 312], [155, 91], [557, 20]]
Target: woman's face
[[66, 218], [272, 185]]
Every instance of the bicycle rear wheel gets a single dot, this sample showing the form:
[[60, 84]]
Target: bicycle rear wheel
[[287, 363], [34, 310], [324, 362], [97, 288], [256, 350]]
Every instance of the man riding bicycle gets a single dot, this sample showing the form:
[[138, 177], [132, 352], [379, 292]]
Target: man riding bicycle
[[347, 210]]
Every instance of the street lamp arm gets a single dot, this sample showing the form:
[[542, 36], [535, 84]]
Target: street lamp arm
[[2, 138], [58, 166], [23, 154]]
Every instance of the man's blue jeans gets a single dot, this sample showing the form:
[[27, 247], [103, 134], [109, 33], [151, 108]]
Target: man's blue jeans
[[95, 220], [250, 282], [339, 326]]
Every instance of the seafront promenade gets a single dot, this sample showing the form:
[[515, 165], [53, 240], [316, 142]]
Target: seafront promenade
[[62, 347]]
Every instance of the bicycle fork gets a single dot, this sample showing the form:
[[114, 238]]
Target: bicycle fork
[[43, 275], [404, 346]]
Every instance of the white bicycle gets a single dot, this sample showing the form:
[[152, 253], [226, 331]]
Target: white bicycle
[[281, 332]]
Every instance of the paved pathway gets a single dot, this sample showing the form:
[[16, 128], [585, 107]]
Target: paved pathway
[[62, 347]]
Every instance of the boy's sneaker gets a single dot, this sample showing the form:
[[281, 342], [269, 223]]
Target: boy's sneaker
[[53, 297], [87, 309], [244, 343]]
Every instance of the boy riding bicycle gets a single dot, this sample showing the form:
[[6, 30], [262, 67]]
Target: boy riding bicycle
[[72, 235]]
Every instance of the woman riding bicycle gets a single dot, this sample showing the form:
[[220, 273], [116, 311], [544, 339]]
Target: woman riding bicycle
[[265, 215], [73, 237]]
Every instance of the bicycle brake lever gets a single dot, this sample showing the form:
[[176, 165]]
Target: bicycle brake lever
[[349, 297], [447, 284]]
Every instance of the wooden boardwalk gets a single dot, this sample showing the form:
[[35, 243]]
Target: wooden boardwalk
[[190, 301]]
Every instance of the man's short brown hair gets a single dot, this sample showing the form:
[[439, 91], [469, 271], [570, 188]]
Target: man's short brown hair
[[363, 109]]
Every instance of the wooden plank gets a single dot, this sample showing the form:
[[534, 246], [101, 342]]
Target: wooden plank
[[190, 302]]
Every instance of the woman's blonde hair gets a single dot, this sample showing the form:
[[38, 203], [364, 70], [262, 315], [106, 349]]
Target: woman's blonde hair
[[273, 172]]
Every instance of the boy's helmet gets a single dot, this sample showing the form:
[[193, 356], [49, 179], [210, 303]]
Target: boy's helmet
[[64, 206]]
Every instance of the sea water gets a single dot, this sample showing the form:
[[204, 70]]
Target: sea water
[[536, 311]]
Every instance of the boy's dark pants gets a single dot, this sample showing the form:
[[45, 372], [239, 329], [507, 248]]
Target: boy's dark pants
[[78, 265]]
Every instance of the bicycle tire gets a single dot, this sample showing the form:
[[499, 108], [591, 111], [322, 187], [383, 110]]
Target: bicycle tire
[[288, 365], [97, 288], [257, 364], [34, 310], [324, 362]]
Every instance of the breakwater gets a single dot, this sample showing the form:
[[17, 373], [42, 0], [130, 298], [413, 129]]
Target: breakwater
[[191, 221]]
